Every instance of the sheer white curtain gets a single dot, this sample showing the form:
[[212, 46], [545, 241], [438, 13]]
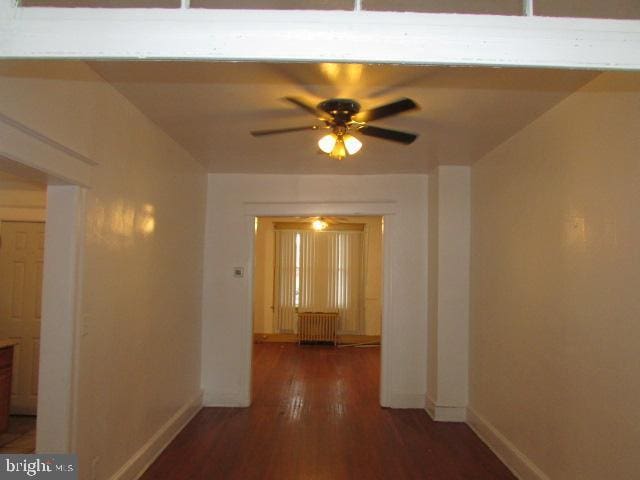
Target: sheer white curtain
[[319, 272]]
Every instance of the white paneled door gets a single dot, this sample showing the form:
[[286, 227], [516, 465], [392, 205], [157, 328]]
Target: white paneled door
[[21, 260]]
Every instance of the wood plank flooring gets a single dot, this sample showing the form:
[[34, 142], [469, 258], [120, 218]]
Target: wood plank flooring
[[315, 415], [20, 436]]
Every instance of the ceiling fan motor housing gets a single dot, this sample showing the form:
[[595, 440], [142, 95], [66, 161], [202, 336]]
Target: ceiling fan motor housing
[[341, 109]]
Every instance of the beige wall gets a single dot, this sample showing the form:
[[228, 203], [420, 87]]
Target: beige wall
[[555, 335], [264, 249], [139, 353], [264, 267], [373, 283]]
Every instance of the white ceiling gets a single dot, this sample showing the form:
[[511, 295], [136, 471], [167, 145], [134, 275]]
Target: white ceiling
[[209, 108]]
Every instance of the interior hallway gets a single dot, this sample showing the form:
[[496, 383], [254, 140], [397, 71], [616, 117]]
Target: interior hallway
[[315, 414]]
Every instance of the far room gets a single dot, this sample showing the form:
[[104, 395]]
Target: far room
[[318, 283], [23, 200]]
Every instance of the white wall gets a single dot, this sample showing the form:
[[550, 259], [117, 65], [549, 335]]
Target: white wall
[[555, 279], [139, 352], [264, 248], [373, 279], [226, 321], [449, 251]]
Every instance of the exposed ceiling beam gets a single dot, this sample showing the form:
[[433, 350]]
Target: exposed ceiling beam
[[308, 36]]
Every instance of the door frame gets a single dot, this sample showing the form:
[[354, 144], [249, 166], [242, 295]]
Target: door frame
[[386, 210], [60, 325], [31, 154], [57, 369]]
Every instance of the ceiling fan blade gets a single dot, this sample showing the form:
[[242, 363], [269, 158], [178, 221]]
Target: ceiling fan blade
[[305, 106], [260, 133], [387, 110], [386, 134]]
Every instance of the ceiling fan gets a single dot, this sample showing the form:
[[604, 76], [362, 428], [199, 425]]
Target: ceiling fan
[[342, 116], [322, 222]]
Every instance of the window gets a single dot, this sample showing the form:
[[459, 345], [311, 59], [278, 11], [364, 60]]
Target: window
[[320, 272]]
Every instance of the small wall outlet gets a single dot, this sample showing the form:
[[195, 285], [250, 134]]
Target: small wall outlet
[[238, 272]]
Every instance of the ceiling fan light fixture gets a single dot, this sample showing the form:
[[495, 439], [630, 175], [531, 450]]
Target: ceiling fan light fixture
[[338, 146], [352, 144], [319, 224], [339, 150], [328, 142], [342, 115]]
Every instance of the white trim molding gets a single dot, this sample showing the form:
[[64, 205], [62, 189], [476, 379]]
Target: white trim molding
[[262, 209], [228, 399], [406, 400], [443, 413], [312, 36], [61, 294], [146, 455], [388, 398], [36, 151], [521, 466], [46, 140]]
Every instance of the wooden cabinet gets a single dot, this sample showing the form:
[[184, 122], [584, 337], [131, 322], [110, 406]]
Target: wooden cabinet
[[6, 366]]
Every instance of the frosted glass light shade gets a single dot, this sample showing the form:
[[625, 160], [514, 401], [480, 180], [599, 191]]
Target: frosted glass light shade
[[327, 142], [339, 146], [352, 144]]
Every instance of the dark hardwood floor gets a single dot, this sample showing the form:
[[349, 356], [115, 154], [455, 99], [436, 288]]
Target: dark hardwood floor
[[315, 415]]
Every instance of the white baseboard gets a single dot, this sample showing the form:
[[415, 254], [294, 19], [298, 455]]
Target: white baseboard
[[225, 400], [521, 466], [398, 400], [445, 414], [406, 400], [140, 460]]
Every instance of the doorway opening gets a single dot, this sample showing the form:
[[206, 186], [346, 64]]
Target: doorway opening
[[22, 237], [41, 215], [317, 303]]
